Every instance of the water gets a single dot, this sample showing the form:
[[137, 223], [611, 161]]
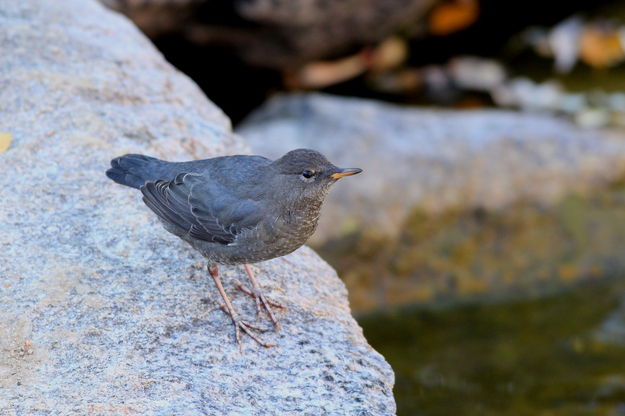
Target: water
[[532, 357]]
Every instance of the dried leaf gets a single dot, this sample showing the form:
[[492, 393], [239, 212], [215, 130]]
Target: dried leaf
[[389, 54], [453, 16], [600, 48], [5, 141], [321, 74]]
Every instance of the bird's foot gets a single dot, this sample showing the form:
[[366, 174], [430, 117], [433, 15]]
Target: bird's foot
[[261, 300], [243, 326]]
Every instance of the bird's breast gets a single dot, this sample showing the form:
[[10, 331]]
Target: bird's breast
[[279, 234], [298, 222]]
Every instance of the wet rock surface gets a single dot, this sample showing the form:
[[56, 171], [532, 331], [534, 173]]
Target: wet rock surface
[[103, 312]]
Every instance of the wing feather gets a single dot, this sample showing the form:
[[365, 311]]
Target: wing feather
[[200, 208]]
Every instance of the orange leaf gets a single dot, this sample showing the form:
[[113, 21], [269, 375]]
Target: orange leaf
[[5, 141], [451, 17], [600, 48]]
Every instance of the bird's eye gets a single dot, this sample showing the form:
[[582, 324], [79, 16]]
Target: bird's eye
[[308, 174]]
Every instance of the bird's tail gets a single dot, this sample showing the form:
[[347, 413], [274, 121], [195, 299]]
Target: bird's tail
[[134, 170]]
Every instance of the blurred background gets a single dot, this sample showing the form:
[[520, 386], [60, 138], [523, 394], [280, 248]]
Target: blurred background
[[483, 247]]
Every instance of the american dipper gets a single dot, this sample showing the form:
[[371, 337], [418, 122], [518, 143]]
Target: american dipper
[[235, 209]]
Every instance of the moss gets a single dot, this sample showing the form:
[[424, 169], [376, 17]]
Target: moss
[[463, 254]]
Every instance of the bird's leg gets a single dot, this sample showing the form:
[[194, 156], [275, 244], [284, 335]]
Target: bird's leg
[[239, 324], [259, 297]]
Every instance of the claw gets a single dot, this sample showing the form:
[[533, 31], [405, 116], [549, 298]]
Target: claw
[[262, 300], [246, 327], [245, 290], [259, 298], [239, 325]]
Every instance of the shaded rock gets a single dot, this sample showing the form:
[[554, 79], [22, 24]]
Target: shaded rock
[[102, 311], [433, 159], [156, 17], [279, 34], [302, 31]]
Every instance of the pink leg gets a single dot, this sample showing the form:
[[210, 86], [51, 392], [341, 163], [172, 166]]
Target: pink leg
[[239, 324], [259, 297]]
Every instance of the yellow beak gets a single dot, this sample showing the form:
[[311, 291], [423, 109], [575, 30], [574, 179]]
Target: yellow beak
[[345, 172]]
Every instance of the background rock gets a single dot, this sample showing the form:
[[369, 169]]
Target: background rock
[[156, 17], [433, 159], [456, 205], [278, 34], [102, 311]]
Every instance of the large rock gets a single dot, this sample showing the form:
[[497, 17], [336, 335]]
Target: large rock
[[433, 159], [456, 205], [278, 33], [102, 310]]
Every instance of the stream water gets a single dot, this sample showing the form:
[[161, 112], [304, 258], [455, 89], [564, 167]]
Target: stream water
[[532, 357]]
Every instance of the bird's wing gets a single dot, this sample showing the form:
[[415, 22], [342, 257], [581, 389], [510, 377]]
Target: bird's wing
[[201, 208]]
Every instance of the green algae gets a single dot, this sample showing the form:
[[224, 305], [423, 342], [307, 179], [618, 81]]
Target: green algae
[[530, 357]]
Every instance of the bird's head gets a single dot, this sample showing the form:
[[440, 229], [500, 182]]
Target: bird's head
[[308, 173]]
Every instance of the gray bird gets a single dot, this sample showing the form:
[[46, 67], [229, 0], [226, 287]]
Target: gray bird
[[235, 209]]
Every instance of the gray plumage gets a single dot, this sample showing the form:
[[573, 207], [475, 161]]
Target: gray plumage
[[234, 209]]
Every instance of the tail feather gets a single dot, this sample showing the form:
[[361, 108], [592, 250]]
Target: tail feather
[[134, 170]]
